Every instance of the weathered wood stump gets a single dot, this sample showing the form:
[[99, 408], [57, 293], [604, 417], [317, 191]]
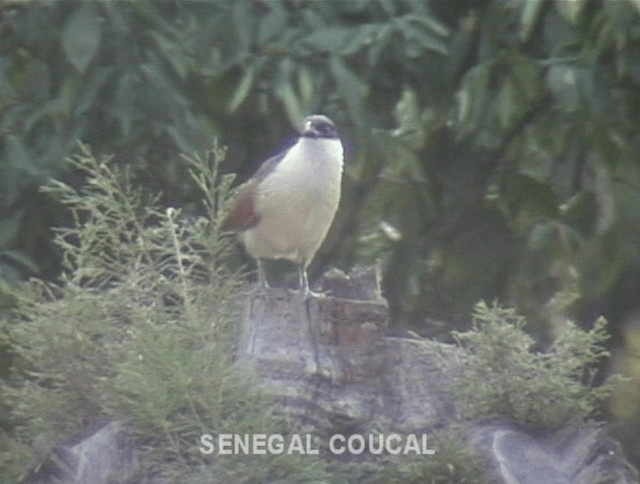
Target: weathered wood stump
[[329, 364]]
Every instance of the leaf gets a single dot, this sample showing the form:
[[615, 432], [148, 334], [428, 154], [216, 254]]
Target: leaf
[[435, 26], [272, 23], [36, 82], [305, 84], [636, 5], [81, 35], [328, 39], [570, 9], [243, 89], [472, 96], [9, 228], [526, 75], [6, 88], [381, 41], [91, 89], [174, 53], [425, 39], [180, 137], [603, 188], [157, 76], [362, 36], [18, 156], [244, 23], [123, 104], [541, 236], [389, 8], [507, 102], [563, 84], [520, 88], [578, 213], [287, 95], [353, 89], [462, 44], [20, 258], [528, 17]]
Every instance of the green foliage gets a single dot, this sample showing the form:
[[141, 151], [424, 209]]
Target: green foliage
[[141, 330], [495, 140], [492, 146], [527, 177], [453, 461], [499, 376], [145, 80]]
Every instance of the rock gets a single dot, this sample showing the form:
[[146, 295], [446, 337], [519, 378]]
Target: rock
[[101, 456], [566, 456]]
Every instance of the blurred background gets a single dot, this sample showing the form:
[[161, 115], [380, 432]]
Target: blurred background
[[492, 147]]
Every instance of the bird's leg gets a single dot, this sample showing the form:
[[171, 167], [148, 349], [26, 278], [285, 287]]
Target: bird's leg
[[262, 278], [304, 283], [303, 280]]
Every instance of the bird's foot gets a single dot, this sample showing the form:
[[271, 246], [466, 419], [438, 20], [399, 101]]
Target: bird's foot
[[306, 294]]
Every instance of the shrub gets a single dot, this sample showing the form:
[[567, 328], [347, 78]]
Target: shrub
[[141, 329], [499, 376]]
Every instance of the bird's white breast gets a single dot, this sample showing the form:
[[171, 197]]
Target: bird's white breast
[[297, 202]]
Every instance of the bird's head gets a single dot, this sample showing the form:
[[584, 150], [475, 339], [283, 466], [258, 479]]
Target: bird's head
[[319, 126]]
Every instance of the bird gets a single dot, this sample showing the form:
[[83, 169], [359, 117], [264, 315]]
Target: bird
[[286, 208]]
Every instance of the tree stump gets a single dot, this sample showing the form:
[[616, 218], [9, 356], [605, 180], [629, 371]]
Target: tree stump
[[327, 362]]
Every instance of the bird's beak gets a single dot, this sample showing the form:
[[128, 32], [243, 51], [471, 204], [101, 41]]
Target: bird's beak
[[309, 128]]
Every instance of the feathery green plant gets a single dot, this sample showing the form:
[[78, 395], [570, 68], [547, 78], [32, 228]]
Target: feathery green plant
[[499, 376], [454, 461], [141, 329]]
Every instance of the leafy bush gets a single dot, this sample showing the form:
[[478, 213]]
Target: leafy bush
[[499, 376], [141, 330], [453, 461]]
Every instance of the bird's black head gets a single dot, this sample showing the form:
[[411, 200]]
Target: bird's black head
[[319, 126]]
